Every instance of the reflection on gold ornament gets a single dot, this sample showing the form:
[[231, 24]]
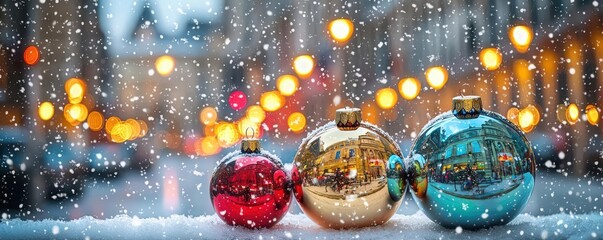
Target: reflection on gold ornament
[[490, 58], [409, 88], [386, 98], [436, 77], [46, 111]]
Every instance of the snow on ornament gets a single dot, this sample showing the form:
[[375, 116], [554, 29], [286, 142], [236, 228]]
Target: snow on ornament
[[349, 173], [250, 187], [470, 163], [237, 100]]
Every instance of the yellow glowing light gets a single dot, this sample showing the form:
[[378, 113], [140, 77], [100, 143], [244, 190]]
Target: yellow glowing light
[[513, 115], [287, 84], [75, 113], [256, 114], [572, 113], [341, 30], [121, 132], [534, 110], [436, 77], [526, 120], [303, 65], [165, 65], [386, 98], [521, 69], [75, 89], [521, 36], [95, 121], [111, 122], [592, 114], [143, 128], [409, 88], [207, 146], [227, 134], [254, 128], [296, 122], [490, 58], [272, 101], [46, 110], [208, 116], [135, 126]]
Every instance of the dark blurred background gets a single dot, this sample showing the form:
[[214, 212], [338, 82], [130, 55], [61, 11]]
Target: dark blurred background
[[174, 84]]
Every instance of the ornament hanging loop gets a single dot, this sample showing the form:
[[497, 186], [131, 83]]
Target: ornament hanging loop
[[247, 133], [346, 101]]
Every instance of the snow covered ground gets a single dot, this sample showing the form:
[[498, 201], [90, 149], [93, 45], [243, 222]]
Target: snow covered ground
[[416, 226]]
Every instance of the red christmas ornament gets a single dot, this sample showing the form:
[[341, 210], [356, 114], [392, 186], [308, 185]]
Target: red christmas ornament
[[250, 188], [237, 100]]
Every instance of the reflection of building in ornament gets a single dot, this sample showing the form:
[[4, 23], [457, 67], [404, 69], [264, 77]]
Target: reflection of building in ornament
[[373, 150]]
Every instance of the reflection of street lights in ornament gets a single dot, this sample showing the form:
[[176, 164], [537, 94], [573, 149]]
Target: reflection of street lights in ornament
[[490, 58], [436, 77], [409, 88], [341, 30], [287, 84], [237, 100], [572, 113], [386, 98], [46, 110], [296, 122], [165, 65], [521, 36], [208, 116], [256, 114], [31, 55], [592, 114], [303, 65], [272, 101]]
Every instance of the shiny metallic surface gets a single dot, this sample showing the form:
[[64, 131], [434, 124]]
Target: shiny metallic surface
[[250, 190], [471, 172], [349, 178]]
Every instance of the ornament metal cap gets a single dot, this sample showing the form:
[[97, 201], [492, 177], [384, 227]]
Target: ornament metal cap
[[250, 144], [466, 107], [348, 119]]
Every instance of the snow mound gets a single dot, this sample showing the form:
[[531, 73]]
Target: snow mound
[[416, 226]]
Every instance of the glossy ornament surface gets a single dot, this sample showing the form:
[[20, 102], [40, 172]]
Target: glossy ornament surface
[[349, 174], [250, 188], [471, 168]]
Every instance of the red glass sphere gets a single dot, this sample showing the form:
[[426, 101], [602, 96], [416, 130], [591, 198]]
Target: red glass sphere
[[250, 190], [237, 100]]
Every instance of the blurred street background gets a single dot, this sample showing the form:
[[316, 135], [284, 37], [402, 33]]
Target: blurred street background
[[125, 107]]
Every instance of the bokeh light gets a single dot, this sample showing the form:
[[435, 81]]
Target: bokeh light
[[272, 101], [287, 84], [135, 126], [409, 88], [227, 134], [303, 65], [521, 36], [237, 100], [341, 30], [121, 132], [165, 65], [490, 58], [296, 122], [513, 115], [95, 121], [386, 98], [572, 114], [207, 146], [144, 128], [31, 55], [111, 122], [592, 114], [254, 128], [208, 116], [46, 111], [436, 77], [256, 114], [535, 113], [75, 113], [75, 89]]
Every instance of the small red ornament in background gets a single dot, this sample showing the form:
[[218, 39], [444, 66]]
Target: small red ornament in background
[[31, 55], [250, 188], [237, 100]]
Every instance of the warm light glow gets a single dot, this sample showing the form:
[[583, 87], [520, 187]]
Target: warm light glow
[[254, 128], [121, 132], [341, 30], [521, 36], [95, 121], [296, 122], [303, 65], [135, 126], [592, 114], [386, 98], [75, 89], [535, 113], [513, 115], [526, 119], [572, 113], [521, 69], [227, 134], [208, 116], [165, 65], [272, 101], [287, 84], [143, 128], [490, 58], [207, 146], [256, 114], [111, 122], [75, 113], [46, 110], [436, 77], [31, 55], [409, 88]]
